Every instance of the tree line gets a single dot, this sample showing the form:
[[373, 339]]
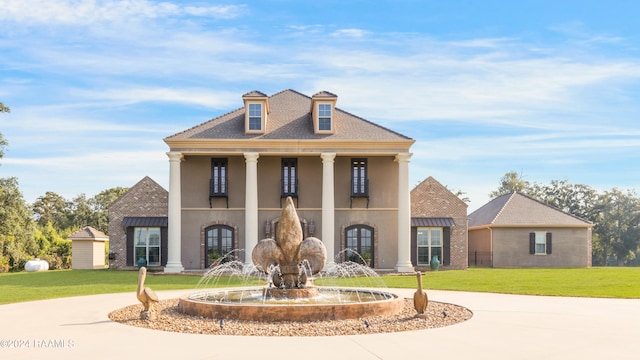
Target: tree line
[[41, 230], [615, 214]]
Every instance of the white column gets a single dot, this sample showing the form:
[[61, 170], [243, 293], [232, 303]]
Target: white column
[[174, 257], [328, 205], [251, 205], [404, 214]]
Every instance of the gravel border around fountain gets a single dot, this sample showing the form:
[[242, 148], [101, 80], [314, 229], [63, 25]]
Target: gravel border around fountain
[[170, 319]]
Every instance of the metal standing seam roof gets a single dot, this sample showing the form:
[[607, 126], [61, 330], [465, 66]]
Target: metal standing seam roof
[[432, 221], [140, 221]]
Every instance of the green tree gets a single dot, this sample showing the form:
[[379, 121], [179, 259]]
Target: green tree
[[509, 183], [617, 226], [17, 242], [54, 209], [576, 199], [101, 204], [3, 141]]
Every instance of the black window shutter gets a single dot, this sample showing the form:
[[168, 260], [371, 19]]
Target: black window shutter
[[414, 246], [548, 243], [446, 246], [164, 246], [532, 243], [130, 253]]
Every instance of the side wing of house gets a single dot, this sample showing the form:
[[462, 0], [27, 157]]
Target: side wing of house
[[138, 226], [438, 226], [515, 230]]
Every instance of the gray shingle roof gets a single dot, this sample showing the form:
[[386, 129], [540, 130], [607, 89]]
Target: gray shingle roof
[[88, 233], [518, 209], [289, 118]]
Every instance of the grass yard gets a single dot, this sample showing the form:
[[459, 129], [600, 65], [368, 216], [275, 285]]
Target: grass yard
[[611, 282], [592, 282]]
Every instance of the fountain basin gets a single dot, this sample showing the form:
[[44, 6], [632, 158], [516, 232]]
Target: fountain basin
[[253, 305]]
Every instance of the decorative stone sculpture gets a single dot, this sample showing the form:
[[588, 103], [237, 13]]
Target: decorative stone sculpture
[[146, 296], [420, 299], [293, 254]]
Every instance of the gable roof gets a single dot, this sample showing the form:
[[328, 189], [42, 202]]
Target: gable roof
[[88, 233], [289, 119], [432, 199], [146, 182], [517, 209]]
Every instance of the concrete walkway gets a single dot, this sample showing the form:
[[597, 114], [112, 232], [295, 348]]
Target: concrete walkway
[[503, 327]]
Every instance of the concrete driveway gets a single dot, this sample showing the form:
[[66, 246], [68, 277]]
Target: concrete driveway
[[502, 327]]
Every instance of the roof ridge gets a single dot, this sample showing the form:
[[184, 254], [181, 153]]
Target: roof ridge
[[499, 212]]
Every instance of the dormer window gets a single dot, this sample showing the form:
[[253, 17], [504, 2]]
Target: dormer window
[[255, 117], [256, 109], [323, 106], [324, 117]]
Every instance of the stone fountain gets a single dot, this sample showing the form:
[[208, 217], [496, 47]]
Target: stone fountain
[[290, 262]]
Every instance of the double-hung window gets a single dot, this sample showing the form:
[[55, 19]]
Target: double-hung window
[[255, 117], [289, 177], [147, 245], [429, 241], [540, 243], [324, 117]]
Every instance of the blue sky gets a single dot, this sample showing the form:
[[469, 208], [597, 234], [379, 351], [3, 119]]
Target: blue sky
[[549, 89]]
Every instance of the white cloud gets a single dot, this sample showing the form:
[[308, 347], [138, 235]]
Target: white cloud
[[86, 12], [350, 33]]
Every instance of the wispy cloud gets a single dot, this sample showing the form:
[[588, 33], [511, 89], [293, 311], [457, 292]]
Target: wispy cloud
[[87, 12]]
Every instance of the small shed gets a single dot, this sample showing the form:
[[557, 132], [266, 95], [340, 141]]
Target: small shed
[[88, 249]]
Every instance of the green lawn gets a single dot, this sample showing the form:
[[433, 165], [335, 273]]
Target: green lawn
[[593, 282], [610, 282]]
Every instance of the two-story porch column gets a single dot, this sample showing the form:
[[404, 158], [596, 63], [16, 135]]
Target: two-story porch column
[[404, 214], [174, 260], [251, 205], [328, 205]]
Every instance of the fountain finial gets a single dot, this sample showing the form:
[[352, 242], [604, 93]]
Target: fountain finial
[[289, 251]]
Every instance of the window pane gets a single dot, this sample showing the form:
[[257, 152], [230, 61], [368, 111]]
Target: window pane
[[541, 243], [423, 239], [352, 239], [255, 110], [141, 252], [423, 255], [154, 256], [255, 123], [212, 239], [140, 236], [154, 236], [436, 237], [227, 241], [436, 251]]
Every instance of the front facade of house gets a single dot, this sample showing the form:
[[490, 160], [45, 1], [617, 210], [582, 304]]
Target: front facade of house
[[348, 177], [438, 226], [514, 230]]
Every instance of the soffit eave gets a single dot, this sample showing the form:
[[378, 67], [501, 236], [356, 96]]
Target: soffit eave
[[521, 226], [203, 146]]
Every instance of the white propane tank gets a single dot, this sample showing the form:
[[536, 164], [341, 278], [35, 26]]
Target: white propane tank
[[36, 265]]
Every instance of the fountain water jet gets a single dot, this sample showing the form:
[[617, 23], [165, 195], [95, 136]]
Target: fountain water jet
[[288, 264]]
